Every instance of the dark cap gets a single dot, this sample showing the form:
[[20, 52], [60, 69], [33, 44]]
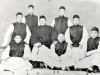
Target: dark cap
[[62, 7], [95, 29], [19, 13], [31, 6], [76, 16], [42, 16]]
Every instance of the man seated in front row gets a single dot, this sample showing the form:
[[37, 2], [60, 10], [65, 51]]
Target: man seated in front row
[[92, 59], [60, 55], [16, 56], [42, 37]]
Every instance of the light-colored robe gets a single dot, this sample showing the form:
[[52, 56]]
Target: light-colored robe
[[59, 61], [93, 59], [40, 54], [78, 53], [16, 63]]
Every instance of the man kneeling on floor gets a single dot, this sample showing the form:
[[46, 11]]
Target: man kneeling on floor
[[92, 59]]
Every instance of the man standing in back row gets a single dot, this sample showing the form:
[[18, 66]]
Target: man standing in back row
[[61, 23], [31, 20]]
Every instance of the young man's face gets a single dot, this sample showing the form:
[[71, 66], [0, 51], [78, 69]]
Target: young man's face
[[61, 37], [17, 39], [61, 12], [94, 34], [30, 10], [42, 21], [76, 21], [19, 18]]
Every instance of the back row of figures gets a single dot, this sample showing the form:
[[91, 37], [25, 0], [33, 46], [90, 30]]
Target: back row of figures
[[62, 46]]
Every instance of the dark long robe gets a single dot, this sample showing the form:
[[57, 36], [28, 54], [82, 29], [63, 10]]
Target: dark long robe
[[19, 29], [92, 44], [61, 24], [44, 34], [76, 34], [17, 50], [31, 21], [60, 48]]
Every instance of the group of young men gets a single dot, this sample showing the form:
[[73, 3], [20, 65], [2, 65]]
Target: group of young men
[[61, 46]]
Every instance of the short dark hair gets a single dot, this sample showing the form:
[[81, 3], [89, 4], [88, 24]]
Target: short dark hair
[[76, 16], [62, 7], [19, 13], [31, 6], [95, 29], [42, 16]]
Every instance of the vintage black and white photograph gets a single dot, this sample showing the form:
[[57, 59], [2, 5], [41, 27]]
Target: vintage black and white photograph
[[49, 37]]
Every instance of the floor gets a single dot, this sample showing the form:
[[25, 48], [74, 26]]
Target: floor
[[46, 72]]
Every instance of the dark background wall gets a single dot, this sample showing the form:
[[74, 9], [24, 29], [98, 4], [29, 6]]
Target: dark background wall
[[88, 10]]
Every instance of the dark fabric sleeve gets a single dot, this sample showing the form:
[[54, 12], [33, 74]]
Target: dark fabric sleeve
[[34, 36], [53, 35], [36, 21]]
